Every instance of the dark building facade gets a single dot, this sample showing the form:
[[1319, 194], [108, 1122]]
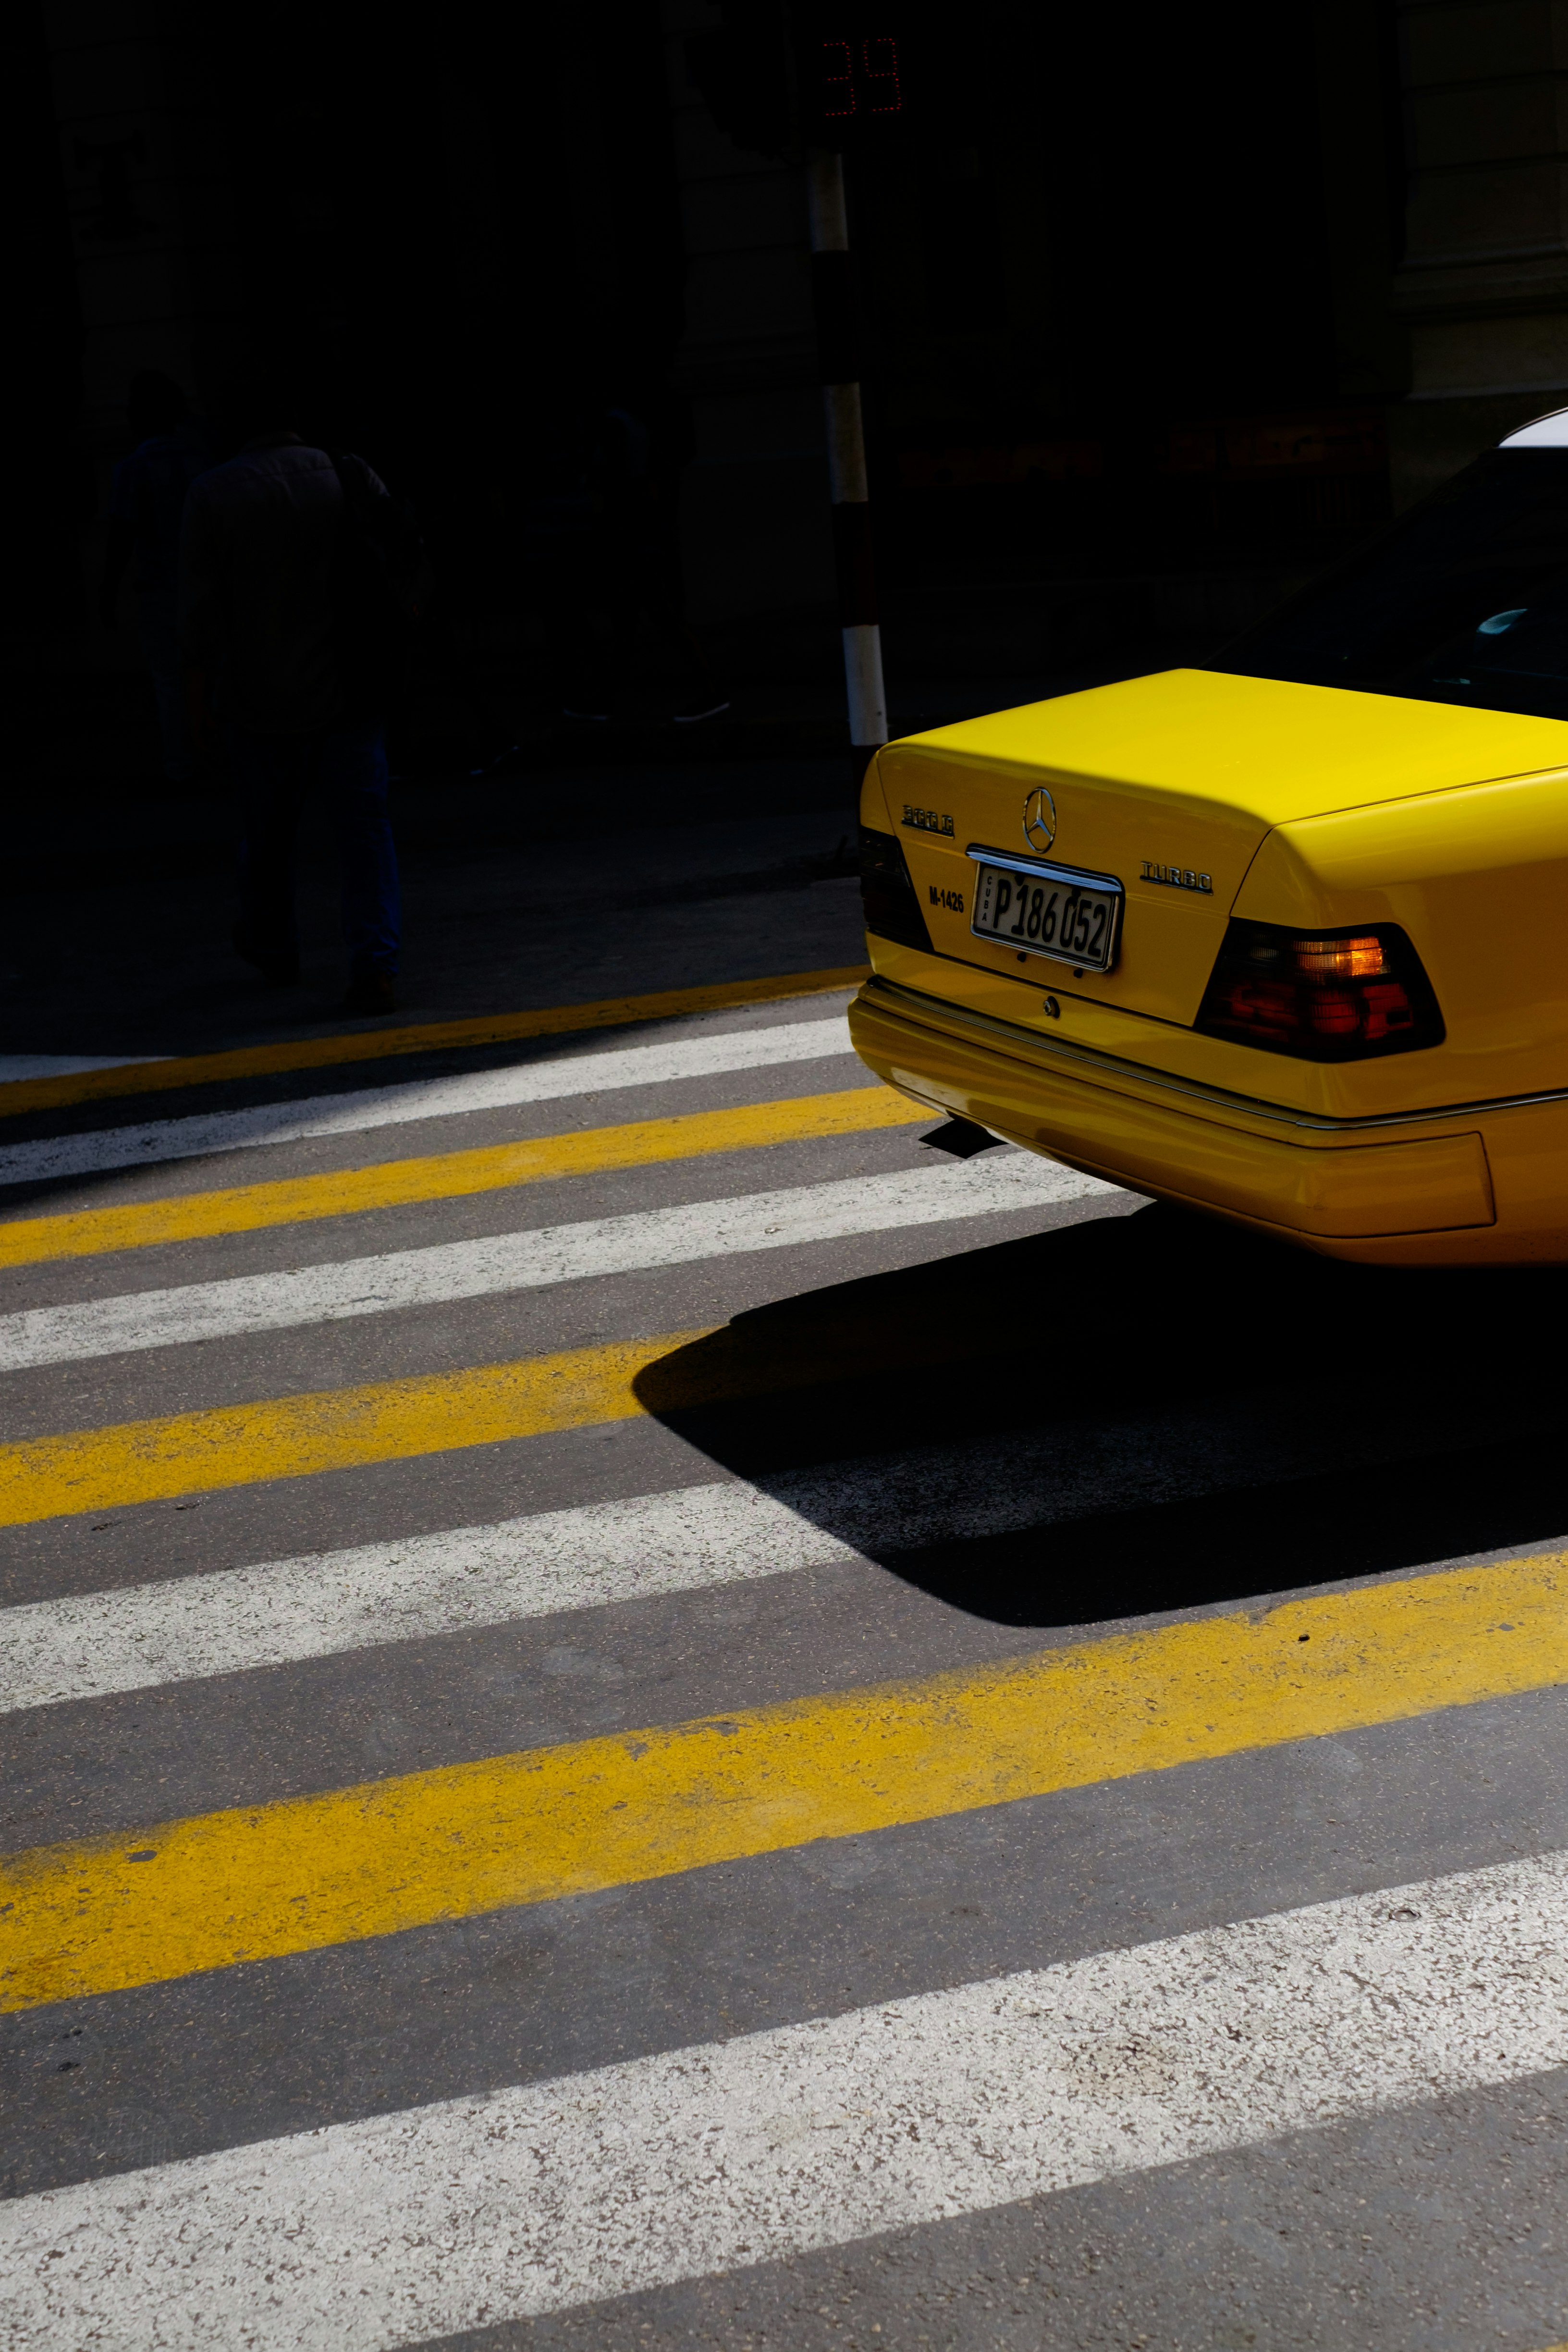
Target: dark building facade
[[1147, 292]]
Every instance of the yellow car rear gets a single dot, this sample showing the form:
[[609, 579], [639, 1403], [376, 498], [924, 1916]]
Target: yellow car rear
[[1293, 954]]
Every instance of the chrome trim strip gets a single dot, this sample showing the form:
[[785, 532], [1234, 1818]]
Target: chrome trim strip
[[1042, 867], [1253, 1106]]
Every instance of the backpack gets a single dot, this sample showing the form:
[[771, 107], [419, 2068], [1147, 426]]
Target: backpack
[[382, 588]]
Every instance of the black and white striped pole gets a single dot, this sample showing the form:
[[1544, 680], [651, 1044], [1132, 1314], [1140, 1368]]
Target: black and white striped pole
[[837, 342]]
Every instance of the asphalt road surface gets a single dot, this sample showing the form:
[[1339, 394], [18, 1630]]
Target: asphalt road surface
[[642, 1708]]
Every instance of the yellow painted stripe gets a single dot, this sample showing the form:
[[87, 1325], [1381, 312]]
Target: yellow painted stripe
[[329, 1429], [444, 1176], [290, 1877], [387, 1421], [427, 1037]]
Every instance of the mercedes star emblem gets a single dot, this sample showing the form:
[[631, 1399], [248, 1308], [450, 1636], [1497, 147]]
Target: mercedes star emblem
[[1040, 819]]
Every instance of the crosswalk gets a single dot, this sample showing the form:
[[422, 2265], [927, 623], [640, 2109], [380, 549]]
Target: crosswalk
[[641, 1770], [834, 2129], [536, 1258], [581, 1816], [196, 1135]]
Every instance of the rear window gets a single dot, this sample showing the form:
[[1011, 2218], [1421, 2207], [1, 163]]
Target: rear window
[[1465, 599]]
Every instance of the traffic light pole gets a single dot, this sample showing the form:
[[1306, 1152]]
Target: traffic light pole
[[837, 342]]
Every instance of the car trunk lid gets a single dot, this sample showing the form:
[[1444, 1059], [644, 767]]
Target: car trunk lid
[[1170, 783]]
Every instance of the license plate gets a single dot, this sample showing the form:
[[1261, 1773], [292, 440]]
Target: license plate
[[1048, 911]]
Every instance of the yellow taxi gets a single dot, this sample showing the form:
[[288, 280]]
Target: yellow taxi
[[1285, 939]]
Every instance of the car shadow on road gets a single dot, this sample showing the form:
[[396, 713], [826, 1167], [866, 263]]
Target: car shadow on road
[[1180, 1412]]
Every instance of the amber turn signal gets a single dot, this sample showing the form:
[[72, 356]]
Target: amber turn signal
[[1362, 958]]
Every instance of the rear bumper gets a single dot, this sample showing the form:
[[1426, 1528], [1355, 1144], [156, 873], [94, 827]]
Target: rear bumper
[[1412, 1192]]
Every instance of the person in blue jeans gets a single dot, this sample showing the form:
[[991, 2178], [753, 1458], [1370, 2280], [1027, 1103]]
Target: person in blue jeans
[[259, 632]]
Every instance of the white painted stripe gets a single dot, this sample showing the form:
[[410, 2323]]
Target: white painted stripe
[[352, 1114], [483, 2209], [538, 1259], [233, 1620]]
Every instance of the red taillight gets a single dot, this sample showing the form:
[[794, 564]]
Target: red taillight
[[888, 893], [1327, 996], [1386, 1011], [1334, 1011]]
